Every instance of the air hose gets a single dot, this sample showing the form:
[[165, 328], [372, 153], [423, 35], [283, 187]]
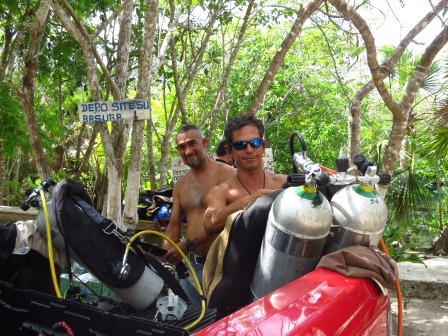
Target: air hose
[[128, 246], [50, 245], [184, 257], [399, 297]]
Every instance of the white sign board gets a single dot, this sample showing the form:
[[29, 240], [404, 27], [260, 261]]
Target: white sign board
[[113, 110], [268, 160], [179, 168]]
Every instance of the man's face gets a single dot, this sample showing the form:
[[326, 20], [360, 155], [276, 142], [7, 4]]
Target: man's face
[[191, 148], [250, 157]]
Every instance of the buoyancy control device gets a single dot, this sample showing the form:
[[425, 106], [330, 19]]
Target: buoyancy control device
[[87, 235], [300, 219]]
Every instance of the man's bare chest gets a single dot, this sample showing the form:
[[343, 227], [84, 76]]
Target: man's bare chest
[[193, 194]]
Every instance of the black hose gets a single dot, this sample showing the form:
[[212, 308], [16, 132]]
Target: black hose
[[291, 146]]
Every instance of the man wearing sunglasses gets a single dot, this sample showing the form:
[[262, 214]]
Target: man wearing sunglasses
[[189, 199], [246, 146]]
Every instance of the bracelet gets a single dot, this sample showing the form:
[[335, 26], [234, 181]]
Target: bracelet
[[190, 245]]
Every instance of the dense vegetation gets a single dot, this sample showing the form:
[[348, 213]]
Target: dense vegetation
[[206, 62]]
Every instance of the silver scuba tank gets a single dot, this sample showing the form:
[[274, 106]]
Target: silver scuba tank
[[361, 214], [295, 236], [139, 295]]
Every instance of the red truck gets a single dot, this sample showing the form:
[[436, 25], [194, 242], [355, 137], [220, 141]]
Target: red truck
[[270, 284]]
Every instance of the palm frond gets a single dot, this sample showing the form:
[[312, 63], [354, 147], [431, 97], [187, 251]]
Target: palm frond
[[431, 82], [437, 146], [408, 198], [442, 112]]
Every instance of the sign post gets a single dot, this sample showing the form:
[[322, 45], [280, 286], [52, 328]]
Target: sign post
[[113, 110]]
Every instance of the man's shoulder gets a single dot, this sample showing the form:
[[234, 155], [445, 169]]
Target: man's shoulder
[[223, 186], [219, 190], [223, 171], [224, 166], [182, 180], [278, 178]]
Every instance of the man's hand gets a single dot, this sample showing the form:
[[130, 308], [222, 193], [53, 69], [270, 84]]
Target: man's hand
[[172, 256], [260, 193]]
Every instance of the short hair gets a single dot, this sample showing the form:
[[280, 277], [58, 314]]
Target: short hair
[[240, 122], [221, 149], [188, 127]]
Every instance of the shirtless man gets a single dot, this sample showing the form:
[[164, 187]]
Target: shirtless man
[[222, 155], [189, 199], [246, 145]]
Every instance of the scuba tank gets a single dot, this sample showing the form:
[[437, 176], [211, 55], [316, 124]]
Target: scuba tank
[[295, 237], [297, 231], [298, 225], [358, 209], [75, 222]]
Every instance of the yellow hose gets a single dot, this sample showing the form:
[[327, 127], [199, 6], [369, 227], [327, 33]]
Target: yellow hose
[[190, 268], [50, 245], [128, 246]]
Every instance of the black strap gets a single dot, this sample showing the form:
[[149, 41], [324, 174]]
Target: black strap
[[73, 290], [164, 273], [8, 234], [152, 249], [89, 210]]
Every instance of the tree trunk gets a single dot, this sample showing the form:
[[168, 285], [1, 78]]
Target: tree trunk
[[190, 74], [220, 100], [130, 216], [26, 89], [92, 59], [395, 141], [179, 94], [2, 174], [120, 131], [277, 61], [444, 243], [86, 157], [400, 111], [440, 246], [10, 52]]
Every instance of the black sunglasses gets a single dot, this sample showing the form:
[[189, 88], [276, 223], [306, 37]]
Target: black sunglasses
[[240, 145]]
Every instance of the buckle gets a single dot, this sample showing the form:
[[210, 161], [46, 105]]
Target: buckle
[[198, 259]]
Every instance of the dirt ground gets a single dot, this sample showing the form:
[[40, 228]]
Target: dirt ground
[[423, 317]]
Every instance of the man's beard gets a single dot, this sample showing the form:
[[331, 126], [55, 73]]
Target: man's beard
[[195, 162]]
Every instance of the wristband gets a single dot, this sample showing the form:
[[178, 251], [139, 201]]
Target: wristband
[[190, 245]]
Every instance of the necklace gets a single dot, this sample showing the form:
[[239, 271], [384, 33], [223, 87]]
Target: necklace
[[264, 182]]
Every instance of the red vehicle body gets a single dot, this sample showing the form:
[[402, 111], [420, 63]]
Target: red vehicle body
[[321, 302]]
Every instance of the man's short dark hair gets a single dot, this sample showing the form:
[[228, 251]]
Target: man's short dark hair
[[221, 150], [239, 122], [188, 127]]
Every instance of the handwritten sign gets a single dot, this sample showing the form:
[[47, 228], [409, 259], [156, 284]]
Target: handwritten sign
[[113, 110], [179, 168], [268, 160]]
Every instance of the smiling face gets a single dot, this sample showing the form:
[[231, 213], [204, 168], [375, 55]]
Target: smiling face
[[249, 158], [191, 148]]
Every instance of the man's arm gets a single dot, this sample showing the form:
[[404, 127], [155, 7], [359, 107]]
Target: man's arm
[[173, 230], [218, 210]]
